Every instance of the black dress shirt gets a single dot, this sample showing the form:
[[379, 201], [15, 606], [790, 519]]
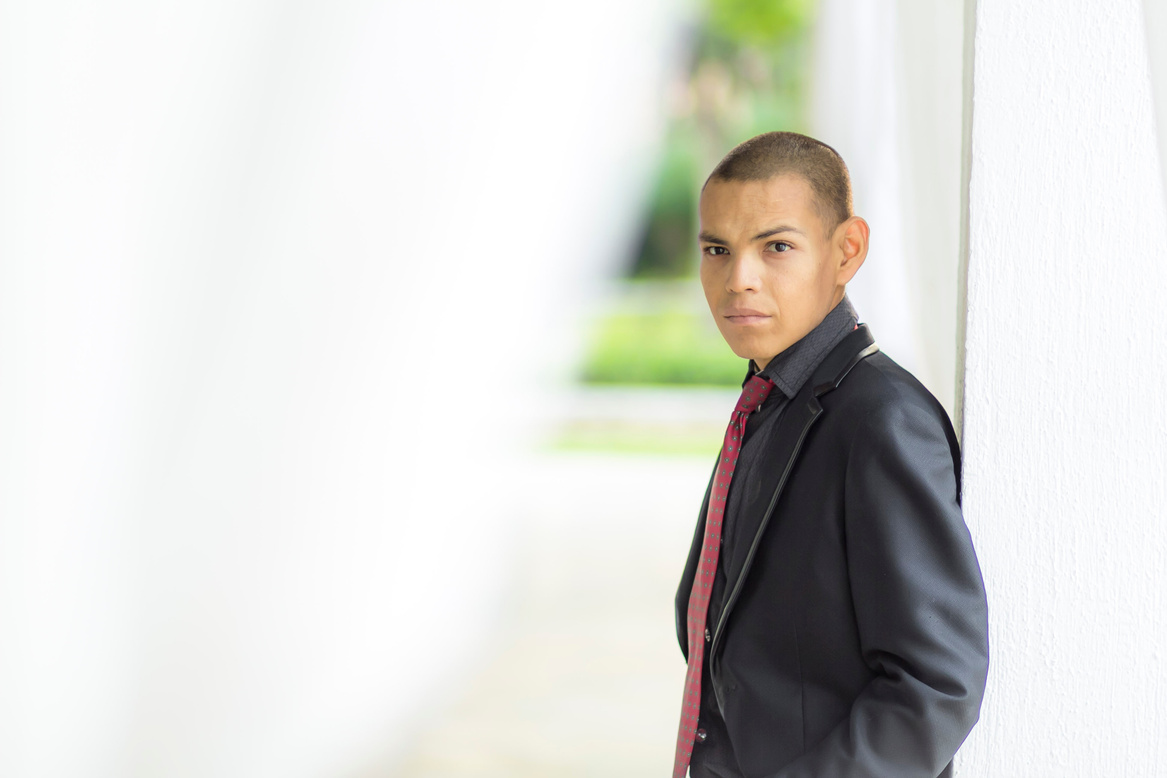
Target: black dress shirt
[[713, 757]]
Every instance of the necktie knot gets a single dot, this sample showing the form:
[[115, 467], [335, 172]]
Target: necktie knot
[[756, 390]]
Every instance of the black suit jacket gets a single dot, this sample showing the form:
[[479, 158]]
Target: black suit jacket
[[853, 637]]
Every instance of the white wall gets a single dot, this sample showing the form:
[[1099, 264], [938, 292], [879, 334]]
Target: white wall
[[276, 282], [1065, 391]]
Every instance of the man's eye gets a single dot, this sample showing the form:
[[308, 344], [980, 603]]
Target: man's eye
[[716, 250], [781, 245]]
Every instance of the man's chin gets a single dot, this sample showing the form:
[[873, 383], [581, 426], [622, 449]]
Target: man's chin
[[756, 356], [761, 353]]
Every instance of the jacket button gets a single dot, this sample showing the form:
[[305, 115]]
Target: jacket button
[[701, 735], [707, 636]]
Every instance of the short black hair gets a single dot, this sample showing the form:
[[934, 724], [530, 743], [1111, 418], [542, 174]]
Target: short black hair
[[776, 153]]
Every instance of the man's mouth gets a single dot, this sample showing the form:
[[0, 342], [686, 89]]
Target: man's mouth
[[745, 316]]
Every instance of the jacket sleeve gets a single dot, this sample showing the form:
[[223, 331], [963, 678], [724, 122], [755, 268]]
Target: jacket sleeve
[[919, 603]]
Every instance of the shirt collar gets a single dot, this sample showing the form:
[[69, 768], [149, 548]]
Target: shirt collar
[[791, 369]]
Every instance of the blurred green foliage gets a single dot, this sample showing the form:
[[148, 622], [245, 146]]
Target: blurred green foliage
[[662, 347], [667, 240], [757, 22], [747, 75]]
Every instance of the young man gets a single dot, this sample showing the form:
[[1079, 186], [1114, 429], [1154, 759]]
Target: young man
[[832, 612]]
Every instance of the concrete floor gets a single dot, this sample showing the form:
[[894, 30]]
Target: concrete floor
[[587, 678]]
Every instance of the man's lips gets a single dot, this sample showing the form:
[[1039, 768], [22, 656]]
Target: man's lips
[[745, 316]]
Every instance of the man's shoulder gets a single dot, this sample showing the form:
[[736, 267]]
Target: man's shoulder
[[878, 392]]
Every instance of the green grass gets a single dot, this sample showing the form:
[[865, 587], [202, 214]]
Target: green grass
[[671, 346]]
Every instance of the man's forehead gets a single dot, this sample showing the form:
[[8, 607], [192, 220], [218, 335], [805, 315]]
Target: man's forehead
[[742, 203]]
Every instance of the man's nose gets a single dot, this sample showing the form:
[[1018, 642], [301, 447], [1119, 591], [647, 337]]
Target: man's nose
[[743, 273]]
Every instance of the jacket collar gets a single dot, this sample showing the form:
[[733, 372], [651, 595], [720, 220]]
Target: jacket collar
[[794, 366], [794, 424], [850, 352]]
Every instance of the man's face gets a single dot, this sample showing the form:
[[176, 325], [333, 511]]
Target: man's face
[[769, 270]]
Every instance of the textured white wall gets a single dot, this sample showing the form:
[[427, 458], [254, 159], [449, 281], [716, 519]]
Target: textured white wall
[[1065, 391]]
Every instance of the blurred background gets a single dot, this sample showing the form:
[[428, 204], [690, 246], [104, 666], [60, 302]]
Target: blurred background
[[357, 394]]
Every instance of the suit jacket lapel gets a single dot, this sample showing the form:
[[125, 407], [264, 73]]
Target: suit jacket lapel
[[793, 427]]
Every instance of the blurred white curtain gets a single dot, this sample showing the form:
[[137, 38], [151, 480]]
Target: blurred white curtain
[[278, 282], [886, 93]]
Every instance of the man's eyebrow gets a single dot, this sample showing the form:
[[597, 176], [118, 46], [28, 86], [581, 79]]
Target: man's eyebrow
[[778, 230], [709, 237]]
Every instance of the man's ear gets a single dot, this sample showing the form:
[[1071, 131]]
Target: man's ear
[[852, 236]]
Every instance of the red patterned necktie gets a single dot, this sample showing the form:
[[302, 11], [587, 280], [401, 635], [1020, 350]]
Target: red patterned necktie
[[754, 394]]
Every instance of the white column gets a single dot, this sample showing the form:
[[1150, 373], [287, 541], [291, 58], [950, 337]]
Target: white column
[[1065, 391], [887, 95], [855, 107]]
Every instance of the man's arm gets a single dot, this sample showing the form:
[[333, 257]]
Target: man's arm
[[919, 603]]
